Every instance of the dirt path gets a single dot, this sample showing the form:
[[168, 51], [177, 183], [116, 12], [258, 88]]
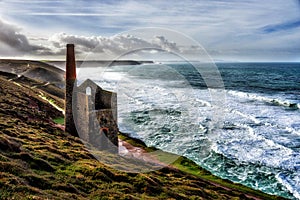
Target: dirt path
[[128, 150]]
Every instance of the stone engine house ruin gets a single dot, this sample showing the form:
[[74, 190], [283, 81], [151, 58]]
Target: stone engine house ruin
[[90, 111]]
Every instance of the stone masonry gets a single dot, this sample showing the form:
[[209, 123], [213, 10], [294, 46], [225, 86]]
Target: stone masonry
[[90, 111]]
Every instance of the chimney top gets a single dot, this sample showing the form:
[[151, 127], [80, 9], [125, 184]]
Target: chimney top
[[70, 45]]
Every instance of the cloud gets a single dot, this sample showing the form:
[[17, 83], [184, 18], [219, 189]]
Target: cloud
[[11, 37], [165, 44], [224, 26], [109, 45], [17, 42], [13, 40]]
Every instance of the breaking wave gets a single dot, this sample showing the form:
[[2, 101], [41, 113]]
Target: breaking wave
[[268, 100]]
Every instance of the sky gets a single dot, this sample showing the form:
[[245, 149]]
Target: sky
[[228, 30]]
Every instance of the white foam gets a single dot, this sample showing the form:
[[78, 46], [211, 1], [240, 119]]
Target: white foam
[[271, 100], [291, 185], [252, 118]]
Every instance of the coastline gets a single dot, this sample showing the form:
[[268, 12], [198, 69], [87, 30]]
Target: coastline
[[22, 152]]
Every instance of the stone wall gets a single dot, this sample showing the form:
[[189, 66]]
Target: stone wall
[[82, 116], [103, 133], [95, 115], [107, 100], [100, 99], [107, 121]]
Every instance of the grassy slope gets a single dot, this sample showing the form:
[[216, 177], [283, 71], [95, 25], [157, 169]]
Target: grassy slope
[[38, 160], [34, 69]]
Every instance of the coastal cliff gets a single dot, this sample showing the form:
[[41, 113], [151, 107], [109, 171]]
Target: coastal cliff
[[38, 160]]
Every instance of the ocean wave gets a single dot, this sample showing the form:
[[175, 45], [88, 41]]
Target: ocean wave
[[269, 100], [253, 175], [247, 116], [291, 183], [241, 142]]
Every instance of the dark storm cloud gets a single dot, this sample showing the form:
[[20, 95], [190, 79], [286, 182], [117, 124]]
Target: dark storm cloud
[[10, 35]]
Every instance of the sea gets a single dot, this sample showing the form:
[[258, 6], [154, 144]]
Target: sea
[[252, 136]]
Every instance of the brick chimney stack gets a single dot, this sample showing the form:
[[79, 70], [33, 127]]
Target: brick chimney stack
[[70, 83], [70, 63]]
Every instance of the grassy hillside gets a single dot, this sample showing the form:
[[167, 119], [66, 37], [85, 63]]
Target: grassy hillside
[[39, 161], [37, 70]]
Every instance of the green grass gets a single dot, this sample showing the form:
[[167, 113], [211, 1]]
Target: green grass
[[59, 120]]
